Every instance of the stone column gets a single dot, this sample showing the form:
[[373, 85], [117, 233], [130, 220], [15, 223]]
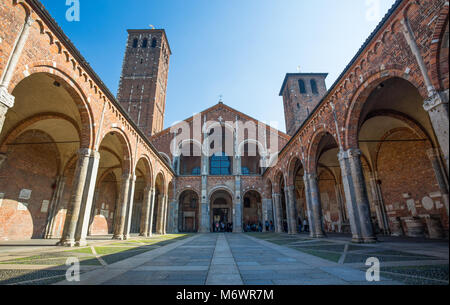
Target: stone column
[[119, 228], [437, 108], [278, 213], [159, 218], [266, 212], [88, 196], [237, 206], [358, 206], [433, 155], [145, 213], [340, 202], [315, 206], [74, 212], [379, 203], [152, 212], [165, 214], [130, 207], [6, 99], [54, 207], [292, 217]]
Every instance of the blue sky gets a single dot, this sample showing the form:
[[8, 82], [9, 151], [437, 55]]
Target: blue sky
[[240, 49]]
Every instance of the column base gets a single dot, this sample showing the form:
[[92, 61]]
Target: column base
[[118, 237], [66, 243], [81, 243], [318, 235], [143, 235], [357, 240], [370, 240]]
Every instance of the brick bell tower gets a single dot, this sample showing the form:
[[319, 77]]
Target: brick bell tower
[[143, 83], [301, 93]]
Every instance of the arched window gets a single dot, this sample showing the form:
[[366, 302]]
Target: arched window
[[154, 42], [135, 43], [314, 87], [301, 85], [145, 43], [220, 164]]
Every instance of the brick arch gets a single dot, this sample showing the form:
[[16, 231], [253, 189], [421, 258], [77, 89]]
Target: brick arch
[[74, 90], [442, 23], [268, 188], [311, 163], [24, 124], [278, 177], [292, 169], [106, 173], [413, 124], [126, 148], [361, 95], [148, 166], [186, 189], [221, 188], [161, 176]]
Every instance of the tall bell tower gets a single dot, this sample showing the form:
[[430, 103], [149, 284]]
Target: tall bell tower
[[143, 83], [301, 93]]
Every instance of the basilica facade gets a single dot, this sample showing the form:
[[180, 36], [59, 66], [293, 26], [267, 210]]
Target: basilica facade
[[367, 156]]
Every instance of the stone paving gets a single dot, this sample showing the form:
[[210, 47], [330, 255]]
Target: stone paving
[[252, 259]]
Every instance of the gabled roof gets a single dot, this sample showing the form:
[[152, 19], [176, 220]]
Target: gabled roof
[[220, 106]]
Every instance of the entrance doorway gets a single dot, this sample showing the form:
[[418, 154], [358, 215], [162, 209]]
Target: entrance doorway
[[221, 217]]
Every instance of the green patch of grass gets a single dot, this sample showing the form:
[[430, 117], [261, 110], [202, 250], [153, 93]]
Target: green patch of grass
[[86, 250]]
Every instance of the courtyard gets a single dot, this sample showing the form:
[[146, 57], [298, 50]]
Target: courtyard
[[227, 259]]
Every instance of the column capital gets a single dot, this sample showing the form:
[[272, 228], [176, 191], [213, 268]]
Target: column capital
[[437, 99], [6, 98], [309, 176], [85, 153], [29, 21], [349, 154]]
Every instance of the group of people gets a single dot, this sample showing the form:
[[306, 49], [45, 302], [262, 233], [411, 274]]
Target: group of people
[[253, 227], [303, 226], [222, 227]]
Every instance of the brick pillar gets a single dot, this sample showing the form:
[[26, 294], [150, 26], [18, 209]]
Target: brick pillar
[[130, 207], [79, 208], [152, 212], [292, 221], [278, 213], [6, 99], [121, 210], [314, 206], [358, 206], [437, 108], [54, 207], [433, 155]]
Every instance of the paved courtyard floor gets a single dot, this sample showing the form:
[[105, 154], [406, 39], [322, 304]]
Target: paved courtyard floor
[[231, 259]]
